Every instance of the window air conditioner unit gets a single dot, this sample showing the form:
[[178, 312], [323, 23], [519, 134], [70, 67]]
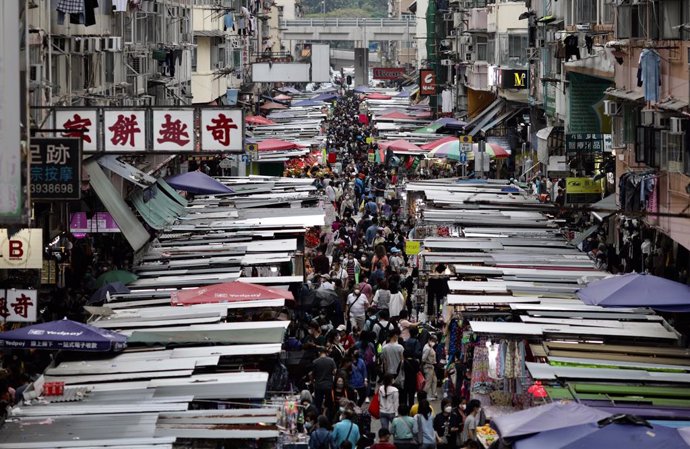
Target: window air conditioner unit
[[140, 84], [647, 117], [457, 18], [466, 39], [676, 124], [113, 44], [611, 108], [446, 62]]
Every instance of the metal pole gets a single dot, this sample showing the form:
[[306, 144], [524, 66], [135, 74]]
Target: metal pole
[[482, 149]]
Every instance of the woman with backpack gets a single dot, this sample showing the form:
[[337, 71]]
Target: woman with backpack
[[321, 437], [389, 400]]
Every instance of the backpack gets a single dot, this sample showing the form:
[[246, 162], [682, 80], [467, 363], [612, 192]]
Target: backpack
[[279, 379], [384, 332], [369, 356]]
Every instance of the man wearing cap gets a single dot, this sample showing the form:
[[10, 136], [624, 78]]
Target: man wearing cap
[[345, 339], [395, 260]]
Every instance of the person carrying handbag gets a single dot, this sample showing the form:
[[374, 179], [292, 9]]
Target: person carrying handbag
[[426, 436], [404, 429]]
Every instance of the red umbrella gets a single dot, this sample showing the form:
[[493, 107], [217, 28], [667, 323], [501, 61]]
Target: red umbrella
[[277, 145], [258, 120], [435, 143], [378, 96], [399, 145], [397, 116], [228, 292], [272, 105]]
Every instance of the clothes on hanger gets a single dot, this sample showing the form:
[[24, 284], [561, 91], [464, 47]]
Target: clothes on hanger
[[649, 74], [571, 47], [589, 43]]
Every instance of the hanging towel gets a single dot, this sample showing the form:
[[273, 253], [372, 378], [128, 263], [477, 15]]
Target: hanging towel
[[70, 6], [89, 12]]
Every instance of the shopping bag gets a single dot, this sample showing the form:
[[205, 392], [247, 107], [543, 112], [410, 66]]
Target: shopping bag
[[421, 382], [375, 406]]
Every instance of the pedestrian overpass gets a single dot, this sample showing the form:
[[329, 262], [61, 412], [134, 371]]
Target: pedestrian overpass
[[362, 30]]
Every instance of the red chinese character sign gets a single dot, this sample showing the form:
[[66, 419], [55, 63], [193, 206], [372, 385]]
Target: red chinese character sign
[[221, 130], [173, 130], [79, 123], [18, 306], [124, 130]]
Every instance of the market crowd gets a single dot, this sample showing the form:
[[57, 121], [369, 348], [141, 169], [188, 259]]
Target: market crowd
[[374, 353]]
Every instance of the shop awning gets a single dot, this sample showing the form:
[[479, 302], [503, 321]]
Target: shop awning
[[507, 114], [491, 109], [228, 292], [131, 228], [623, 94], [126, 171], [159, 205], [604, 208], [673, 104]]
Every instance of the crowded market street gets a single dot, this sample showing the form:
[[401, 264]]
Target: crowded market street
[[221, 228]]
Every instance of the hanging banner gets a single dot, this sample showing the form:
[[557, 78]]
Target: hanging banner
[[101, 222], [11, 169], [388, 73], [55, 169], [173, 130], [18, 306], [23, 250], [221, 130], [124, 130], [81, 124], [427, 82]]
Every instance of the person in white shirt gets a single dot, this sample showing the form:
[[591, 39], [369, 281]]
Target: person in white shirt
[[396, 303], [357, 305], [389, 400], [429, 367]]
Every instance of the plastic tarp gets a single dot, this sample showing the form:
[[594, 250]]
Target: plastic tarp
[[637, 290], [198, 183], [157, 206], [277, 145], [131, 228], [228, 292], [546, 417]]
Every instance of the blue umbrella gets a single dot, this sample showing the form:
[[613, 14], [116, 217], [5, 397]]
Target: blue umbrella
[[593, 436], [324, 97], [63, 334], [637, 290], [555, 415], [198, 183], [112, 288], [306, 103]]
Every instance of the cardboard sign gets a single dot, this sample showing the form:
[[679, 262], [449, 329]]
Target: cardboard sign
[[412, 247]]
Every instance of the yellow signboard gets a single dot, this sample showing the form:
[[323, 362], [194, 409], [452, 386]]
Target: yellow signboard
[[369, 140], [465, 139], [582, 185], [412, 247]]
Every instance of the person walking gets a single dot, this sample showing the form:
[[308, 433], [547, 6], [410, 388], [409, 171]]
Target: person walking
[[429, 367], [345, 430], [323, 370], [392, 357], [404, 429], [425, 426], [469, 428], [359, 380], [320, 438], [357, 304], [389, 400], [446, 426]]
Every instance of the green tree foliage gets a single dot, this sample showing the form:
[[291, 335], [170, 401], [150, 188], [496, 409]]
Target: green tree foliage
[[346, 8]]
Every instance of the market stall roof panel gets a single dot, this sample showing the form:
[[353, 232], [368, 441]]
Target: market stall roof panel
[[228, 292]]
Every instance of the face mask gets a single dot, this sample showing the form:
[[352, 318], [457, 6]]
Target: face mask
[[339, 385], [342, 409], [357, 292], [448, 409], [307, 425]]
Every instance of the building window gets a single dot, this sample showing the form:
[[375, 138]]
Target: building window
[[491, 51], [672, 153], [606, 12], [647, 146], [481, 48], [194, 55], [654, 20], [513, 50], [586, 11]]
